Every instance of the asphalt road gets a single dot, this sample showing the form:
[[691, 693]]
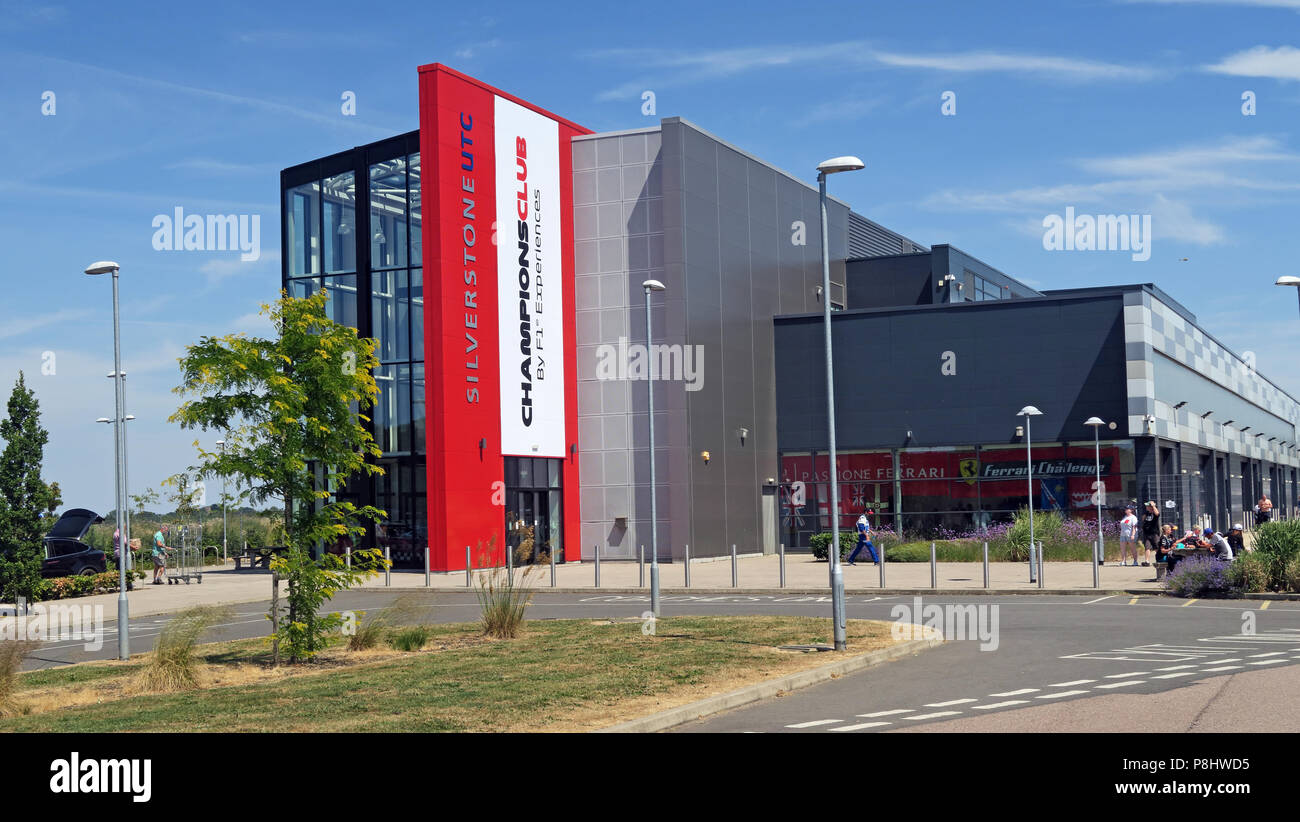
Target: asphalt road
[[1043, 654]]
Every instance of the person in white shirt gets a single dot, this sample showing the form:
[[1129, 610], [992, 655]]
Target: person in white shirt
[[1128, 536]]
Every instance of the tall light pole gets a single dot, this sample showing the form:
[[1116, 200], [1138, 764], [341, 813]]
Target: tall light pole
[[119, 446], [1097, 423], [1287, 279], [222, 444], [652, 285], [832, 166], [1029, 412]]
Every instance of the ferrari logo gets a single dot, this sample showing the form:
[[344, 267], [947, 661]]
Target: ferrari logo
[[970, 470]]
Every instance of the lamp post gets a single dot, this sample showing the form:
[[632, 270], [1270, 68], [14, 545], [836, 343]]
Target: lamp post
[[119, 446], [1029, 412], [1287, 279], [832, 166], [652, 285], [222, 445], [1097, 423]]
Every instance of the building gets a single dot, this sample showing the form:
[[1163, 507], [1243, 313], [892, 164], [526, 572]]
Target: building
[[497, 254]]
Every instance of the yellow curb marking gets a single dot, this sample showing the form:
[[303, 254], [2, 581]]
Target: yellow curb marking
[[1264, 607], [1189, 602], [1133, 601]]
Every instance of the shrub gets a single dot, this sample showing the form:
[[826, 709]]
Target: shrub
[[371, 630], [411, 639], [172, 666], [1250, 573], [819, 542], [11, 657], [1291, 577], [1199, 577], [502, 599], [1279, 544]]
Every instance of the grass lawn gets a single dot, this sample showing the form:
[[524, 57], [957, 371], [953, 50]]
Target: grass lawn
[[560, 675]]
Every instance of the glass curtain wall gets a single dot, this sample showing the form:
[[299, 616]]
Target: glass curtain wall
[[351, 224]]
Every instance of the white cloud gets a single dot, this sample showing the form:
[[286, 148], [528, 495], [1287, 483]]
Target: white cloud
[[1039, 67], [1281, 63]]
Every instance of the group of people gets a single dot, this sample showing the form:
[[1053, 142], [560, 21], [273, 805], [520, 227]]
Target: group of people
[[1162, 545]]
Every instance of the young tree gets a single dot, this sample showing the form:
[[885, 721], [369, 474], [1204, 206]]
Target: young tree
[[24, 496], [286, 406]]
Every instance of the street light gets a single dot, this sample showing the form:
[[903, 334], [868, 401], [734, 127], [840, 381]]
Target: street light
[[222, 444], [1287, 279], [652, 285], [119, 447], [1097, 423], [1029, 412], [833, 166]]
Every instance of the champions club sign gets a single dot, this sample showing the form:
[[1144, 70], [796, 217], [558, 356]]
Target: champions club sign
[[500, 356]]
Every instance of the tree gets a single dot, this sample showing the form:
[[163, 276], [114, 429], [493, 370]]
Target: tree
[[24, 496], [290, 408]]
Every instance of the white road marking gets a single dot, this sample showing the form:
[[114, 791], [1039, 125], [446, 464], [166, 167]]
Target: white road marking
[[1122, 676], [934, 715], [1268, 662], [1098, 599], [888, 713], [815, 723], [1061, 694], [1176, 668], [1123, 684], [1175, 676], [1019, 692], [1068, 684], [1223, 668], [949, 702], [1221, 661], [1270, 653], [999, 705], [860, 726]]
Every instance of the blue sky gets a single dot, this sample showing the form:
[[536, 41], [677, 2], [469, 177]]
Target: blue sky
[[1109, 107]]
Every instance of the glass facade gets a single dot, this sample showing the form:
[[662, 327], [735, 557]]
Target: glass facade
[[953, 490], [376, 286]]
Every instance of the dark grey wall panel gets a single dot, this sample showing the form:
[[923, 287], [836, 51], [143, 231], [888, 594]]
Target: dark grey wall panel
[[888, 377]]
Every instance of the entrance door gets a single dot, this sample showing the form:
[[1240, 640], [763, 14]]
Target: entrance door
[[534, 509]]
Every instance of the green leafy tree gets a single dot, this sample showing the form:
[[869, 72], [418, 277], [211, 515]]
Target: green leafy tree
[[24, 496], [290, 408]]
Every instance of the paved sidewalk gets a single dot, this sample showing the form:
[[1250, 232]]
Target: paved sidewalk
[[225, 586]]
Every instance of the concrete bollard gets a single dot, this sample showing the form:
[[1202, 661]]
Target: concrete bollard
[[688, 565], [1033, 567], [986, 565], [640, 564], [1096, 576], [468, 566], [1040, 563], [734, 580], [598, 565], [428, 576], [388, 568], [781, 551], [934, 569]]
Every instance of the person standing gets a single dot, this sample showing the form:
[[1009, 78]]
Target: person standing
[[864, 540], [1263, 510], [160, 550], [1150, 532], [1128, 535]]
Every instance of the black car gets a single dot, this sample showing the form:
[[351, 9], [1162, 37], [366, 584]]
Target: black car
[[65, 553]]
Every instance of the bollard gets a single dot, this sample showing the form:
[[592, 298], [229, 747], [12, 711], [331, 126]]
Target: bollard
[[428, 577], [347, 556], [552, 553], [882, 564], [1033, 569], [934, 569], [510, 564], [688, 565], [388, 568], [781, 550], [733, 565], [640, 564], [468, 565], [986, 565], [598, 565], [1096, 581], [1040, 563]]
